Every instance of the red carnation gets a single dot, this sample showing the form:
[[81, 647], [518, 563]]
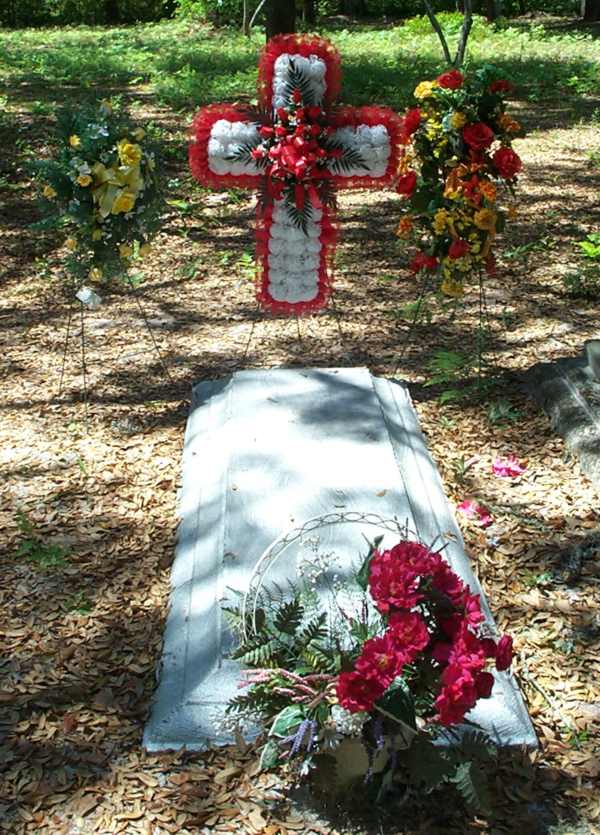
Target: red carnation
[[282, 114], [422, 261], [504, 653], [381, 659], [407, 183], [451, 80], [501, 86], [478, 136], [458, 248], [266, 131], [507, 162], [411, 121], [409, 632], [356, 693]]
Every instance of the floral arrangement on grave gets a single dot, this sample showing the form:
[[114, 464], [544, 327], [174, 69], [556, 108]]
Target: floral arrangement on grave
[[102, 189], [457, 159], [367, 673], [296, 148]]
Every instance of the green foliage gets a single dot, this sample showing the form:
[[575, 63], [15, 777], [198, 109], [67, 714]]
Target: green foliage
[[591, 246], [583, 284], [448, 367], [33, 548], [90, 12], [501, 413]]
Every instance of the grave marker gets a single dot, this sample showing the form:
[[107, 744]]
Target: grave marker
[[264, 452]]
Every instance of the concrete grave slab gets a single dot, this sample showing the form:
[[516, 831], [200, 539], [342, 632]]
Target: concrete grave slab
[[568, 390], [265, 450]]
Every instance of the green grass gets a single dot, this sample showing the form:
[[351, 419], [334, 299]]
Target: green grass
[[187, 65]]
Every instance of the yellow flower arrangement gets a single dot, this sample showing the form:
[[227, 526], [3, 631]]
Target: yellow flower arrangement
[[84, 180], [425, 89], [458, 120], [125, 250], [71, 244], [74, 141], [49, 192], [485, 219], [123, 202], [129, 153]]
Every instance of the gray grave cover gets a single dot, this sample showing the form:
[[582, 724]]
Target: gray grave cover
[[266, 450]]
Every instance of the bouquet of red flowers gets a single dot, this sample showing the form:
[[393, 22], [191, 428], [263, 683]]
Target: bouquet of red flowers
[[393, 656]]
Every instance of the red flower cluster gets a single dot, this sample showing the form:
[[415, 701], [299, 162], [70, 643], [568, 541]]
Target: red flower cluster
[[451, 80], [295, 149], [422, 261], [507, 163], [430, 613]]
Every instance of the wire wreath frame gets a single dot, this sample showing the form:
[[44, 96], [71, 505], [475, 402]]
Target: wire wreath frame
[[272, 553]]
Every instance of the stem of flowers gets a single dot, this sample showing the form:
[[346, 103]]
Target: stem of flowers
[[64, 356], [407, 730], [83, 365], [149, 329]]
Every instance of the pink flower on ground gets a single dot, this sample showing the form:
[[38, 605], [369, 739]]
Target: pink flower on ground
[[509, 467], [473, 510]]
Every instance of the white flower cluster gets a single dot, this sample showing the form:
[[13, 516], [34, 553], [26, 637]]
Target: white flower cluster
[[225, 139], [294, 256], [372, 143], [312, 68], [346, 723]]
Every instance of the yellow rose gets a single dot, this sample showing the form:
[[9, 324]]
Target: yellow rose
[[49, 192], [123, 202], [458, 120], [488, 190], [440, 221], [95, 274], [424, 89], [509, 124], [84, 180], [451, 287], [125, 250], [139, 134], [71, 244], [97, 235], [404, 227], [145, 249], [74, 141], [485, 219], [129, 154]]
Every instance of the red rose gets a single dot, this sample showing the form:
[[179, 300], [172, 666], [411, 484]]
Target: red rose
[[407, 183], [507, 163], [504, 653], [501, 86], [478, 136], [458, 248], [411, 121], [422, 261], [451, 80], [356, 693]]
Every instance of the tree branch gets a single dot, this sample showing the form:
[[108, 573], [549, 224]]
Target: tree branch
[[438, 29], [255, 15], [464, 33]]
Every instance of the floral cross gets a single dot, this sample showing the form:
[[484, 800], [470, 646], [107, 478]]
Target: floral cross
[[296, 149]]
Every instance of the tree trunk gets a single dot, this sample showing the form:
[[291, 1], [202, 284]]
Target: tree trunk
[[281, 17], [590, 9], [310, 12], [111, 10]]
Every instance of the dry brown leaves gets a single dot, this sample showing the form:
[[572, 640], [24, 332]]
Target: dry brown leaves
[[81, 641]]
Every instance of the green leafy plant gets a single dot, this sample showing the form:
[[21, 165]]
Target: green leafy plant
[[33, 548], [461, 467], [591, 246], [502, 413]]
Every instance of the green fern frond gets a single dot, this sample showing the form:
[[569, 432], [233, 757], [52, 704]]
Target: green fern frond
[[298, 80], [289, 616]]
